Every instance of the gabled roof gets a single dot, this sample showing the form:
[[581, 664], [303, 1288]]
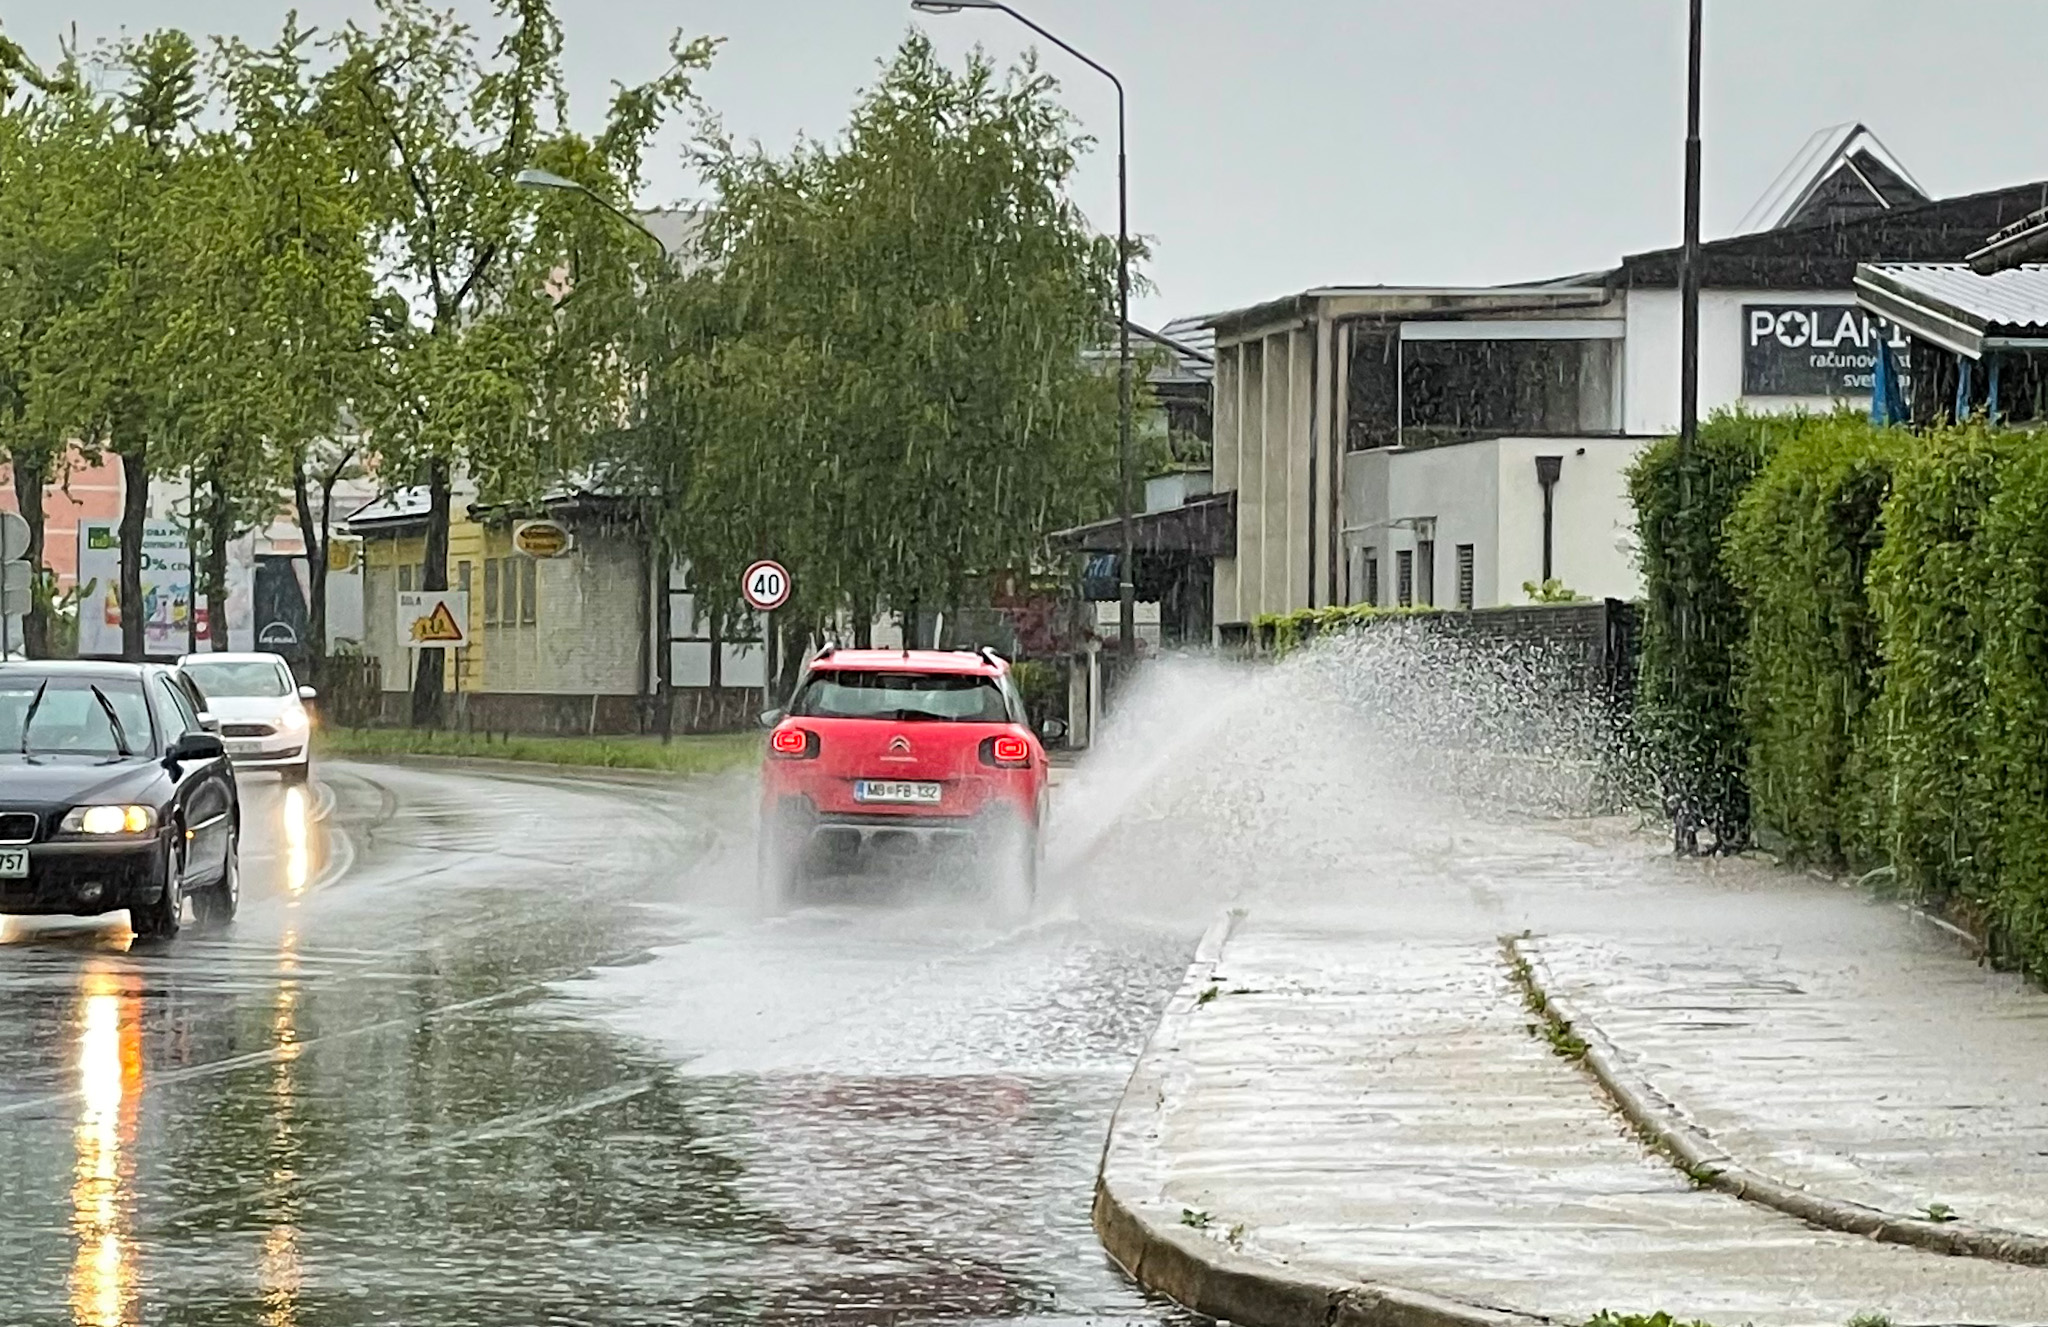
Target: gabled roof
[[1949, 305], [1823, 255], [1842, 172]]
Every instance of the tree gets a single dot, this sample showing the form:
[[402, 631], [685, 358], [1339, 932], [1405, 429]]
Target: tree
[[480, 369], [884, 376], [52, 267]]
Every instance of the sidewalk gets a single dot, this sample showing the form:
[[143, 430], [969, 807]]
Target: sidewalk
[[1345, 1116]]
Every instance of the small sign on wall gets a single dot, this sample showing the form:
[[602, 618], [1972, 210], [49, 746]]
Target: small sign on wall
[[433, 619], [1812, 349]]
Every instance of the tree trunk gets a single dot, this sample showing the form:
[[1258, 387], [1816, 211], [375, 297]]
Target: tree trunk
[[317, 540], [426, 680], [31, 474], [217, 532], [134, 511], [664, 631], [863, 624]]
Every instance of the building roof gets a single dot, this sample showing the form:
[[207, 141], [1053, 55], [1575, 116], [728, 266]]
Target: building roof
[[1824, 254], [1842, 172], [400, 507], [1399, 302], [1203, 525], [1949, 305]]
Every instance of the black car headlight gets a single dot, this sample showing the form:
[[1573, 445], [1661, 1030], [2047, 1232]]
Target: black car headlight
[[117, 819]]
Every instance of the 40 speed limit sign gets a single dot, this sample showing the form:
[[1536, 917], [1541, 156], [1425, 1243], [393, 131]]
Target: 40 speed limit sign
[[765, 586]]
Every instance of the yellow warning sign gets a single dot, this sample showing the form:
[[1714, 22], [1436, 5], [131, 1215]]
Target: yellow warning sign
[[438, 626], [438, 618]]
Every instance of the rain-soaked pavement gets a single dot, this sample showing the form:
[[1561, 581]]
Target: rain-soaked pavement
[[500, 1048]]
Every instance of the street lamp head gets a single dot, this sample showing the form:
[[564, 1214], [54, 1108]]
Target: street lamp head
[[543, 179], [951, 6]]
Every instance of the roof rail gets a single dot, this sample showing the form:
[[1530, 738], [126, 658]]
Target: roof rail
[[988, 652], [825, 649]]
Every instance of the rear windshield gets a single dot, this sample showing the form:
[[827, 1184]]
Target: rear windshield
[[84, 716], [238, 678], [861, 694]]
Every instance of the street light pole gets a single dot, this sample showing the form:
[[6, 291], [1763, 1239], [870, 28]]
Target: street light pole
[[532, 178], [1127, 458], [1689, 269]]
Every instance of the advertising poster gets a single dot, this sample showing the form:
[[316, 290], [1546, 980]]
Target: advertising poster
[[166, 589]]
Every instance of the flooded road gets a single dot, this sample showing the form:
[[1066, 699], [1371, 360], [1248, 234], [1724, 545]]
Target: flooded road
[[500, 1048]]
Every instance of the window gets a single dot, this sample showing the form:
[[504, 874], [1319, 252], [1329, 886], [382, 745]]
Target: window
[[405, 578], [491, 618], [1425, 571], [1404, 578], [86, 716], [1369, 578], [175, 720], [940, 697], [239, 677], [462, 577], [529, 586], [1464, 575]]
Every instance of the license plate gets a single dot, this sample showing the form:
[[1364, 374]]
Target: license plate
[[243, 748], [896, 790], [13, 863]]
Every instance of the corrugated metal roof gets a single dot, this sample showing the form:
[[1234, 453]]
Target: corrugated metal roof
[[1950, 305]]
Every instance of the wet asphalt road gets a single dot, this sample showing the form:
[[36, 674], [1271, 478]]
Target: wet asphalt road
[[497, 1048]]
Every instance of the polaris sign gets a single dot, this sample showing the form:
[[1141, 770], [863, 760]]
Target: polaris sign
[[1812, 349]]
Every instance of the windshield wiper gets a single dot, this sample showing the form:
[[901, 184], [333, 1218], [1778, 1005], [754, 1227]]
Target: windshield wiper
[[30, 717], [120, 733]]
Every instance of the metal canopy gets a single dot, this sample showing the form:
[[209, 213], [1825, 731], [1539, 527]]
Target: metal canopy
[[1948, 305], [1205, 526]]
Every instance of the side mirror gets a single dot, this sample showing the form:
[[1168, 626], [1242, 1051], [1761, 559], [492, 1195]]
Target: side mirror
[[769, 718], [309, 693], [196, 746], [1053, 730], [208, 722]]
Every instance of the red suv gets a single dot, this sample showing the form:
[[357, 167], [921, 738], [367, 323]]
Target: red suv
[[887, 752]]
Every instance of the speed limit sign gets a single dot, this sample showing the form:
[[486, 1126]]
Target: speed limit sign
[[765, 586]]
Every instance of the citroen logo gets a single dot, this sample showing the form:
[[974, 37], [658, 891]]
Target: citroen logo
[[899, 744]]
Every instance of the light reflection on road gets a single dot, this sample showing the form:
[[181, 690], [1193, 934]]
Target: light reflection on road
[[293, 817], [103, 1279], [278, 1274]]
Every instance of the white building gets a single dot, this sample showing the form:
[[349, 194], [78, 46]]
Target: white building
[[1396, 445]]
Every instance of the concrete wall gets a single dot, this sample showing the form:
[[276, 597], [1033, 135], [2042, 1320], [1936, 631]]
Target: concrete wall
[[588, 632], [1271, 447], [1485, 494], [1650, 394]]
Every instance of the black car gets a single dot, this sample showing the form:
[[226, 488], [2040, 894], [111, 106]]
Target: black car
[[113, 795]]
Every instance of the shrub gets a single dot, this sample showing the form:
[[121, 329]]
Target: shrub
[[1928, 583], [1686, 714], [1799, 547]]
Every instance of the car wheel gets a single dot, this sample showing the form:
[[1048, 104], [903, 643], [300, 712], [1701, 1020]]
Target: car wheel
[[217, 904], [160, 919], [778, 863]]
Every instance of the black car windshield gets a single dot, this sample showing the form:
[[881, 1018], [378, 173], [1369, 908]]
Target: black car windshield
[[81, 716], [242, 677], [865, 694]]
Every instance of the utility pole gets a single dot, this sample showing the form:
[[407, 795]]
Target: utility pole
[[1689, 269]]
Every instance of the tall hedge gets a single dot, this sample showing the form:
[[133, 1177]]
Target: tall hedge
[[2011, 738], [1929, 584], [1798, 549], [1687, 714]]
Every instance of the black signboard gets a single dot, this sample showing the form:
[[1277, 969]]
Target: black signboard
[[1812, 349]]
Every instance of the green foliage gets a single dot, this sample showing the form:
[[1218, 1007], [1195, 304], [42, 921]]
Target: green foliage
[[681, 755], [1799, 547], [1929, 584], [1552, 591], [2009, 738], [883, 377], [1608, 1318], [1687, 711], [1284, 632]]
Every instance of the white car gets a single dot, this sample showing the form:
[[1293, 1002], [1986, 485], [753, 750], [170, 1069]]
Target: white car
[[259, 709]]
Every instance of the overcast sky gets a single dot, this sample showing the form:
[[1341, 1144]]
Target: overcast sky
[[1282, 144]]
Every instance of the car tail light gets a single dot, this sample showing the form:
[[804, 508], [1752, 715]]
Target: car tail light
[[793, 743], [1007, 752]]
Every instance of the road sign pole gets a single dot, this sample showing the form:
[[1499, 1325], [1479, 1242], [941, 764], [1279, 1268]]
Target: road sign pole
[[768, 687]]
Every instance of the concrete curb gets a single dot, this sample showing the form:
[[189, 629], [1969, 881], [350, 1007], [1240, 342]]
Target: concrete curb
[[1664, 1126], [1206, 1276]]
